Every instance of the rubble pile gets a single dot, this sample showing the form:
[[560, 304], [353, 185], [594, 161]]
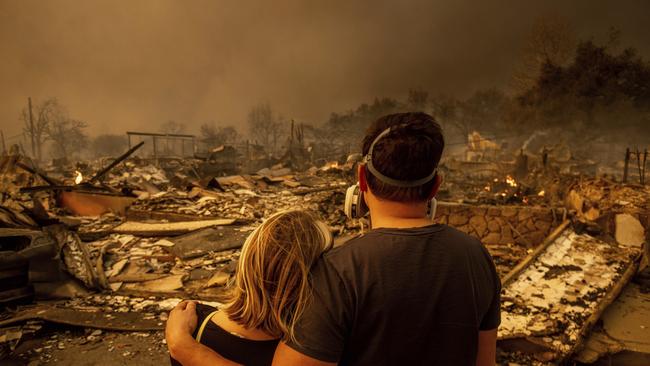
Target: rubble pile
[[132, 240], [509, 232], [553, 300]]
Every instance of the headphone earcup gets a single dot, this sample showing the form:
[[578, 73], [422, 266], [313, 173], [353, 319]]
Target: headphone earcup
[[355, 206], [432, 206]]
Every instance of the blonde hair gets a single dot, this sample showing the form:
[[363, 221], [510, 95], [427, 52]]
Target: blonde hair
[[272, 288]]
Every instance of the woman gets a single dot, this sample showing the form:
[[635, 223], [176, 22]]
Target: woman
[[270, 291]]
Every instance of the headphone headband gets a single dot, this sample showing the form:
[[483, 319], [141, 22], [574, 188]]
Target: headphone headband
[[388, 180]]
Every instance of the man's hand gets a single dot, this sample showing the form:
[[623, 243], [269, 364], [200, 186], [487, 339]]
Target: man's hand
[[180, 326], [182, 347]]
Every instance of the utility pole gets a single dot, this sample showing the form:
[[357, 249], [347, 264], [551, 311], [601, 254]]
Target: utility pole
[[31, 127]]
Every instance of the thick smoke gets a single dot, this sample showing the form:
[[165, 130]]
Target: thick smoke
[[134, 65]]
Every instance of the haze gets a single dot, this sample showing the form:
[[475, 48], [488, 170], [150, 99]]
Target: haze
[[133, 65]]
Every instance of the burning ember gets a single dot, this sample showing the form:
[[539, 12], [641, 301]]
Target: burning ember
[[541, 193], [511, 181], [79, 178]]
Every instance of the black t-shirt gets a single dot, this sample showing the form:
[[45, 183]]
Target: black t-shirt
[[401, 297]]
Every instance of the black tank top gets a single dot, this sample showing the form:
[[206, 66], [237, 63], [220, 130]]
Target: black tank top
[[232, 347]]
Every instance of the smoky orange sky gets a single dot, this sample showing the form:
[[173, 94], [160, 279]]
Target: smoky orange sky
[[132, 65]]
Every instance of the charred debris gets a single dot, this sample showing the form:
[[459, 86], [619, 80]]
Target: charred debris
[[113, 244]]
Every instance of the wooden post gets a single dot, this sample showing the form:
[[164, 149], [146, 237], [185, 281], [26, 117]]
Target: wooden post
[[638, 164], [627, 163], [4, 147], [645, 158], [31, 127]]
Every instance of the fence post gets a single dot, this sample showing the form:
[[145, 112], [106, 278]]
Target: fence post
[[627, 163], [638, 164], [645, 158]]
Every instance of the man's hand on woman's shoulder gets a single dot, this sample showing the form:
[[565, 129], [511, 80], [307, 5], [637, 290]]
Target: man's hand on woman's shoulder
[[180, 326]]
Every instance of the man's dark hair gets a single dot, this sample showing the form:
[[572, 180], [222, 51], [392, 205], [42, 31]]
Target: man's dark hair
[[411, 151]]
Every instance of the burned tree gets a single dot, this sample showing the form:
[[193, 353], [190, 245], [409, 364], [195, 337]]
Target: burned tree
[[172, 127], [418, 100], [67, 135], [264, 127], [218, 135], [37, 118], [551, 41], [597, 91]]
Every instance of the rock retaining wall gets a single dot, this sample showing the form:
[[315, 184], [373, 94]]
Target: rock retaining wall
[[521, 225]]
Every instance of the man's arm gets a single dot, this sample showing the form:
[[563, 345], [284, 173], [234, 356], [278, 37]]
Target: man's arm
[[182, 347], [287, 356], [487, 348]]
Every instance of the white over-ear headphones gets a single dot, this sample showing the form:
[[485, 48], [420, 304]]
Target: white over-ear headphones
[[355, 206]]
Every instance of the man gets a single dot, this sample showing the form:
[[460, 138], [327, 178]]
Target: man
[[405, 293]]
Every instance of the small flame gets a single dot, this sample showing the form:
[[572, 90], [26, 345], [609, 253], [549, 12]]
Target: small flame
[[79, 177], [487, 188], [541, 193], [511, 181]]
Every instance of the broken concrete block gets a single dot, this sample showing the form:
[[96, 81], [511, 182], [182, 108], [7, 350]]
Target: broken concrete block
[[464, 228], [218, 279], [493, 226], [493, 211], [165, 284], [478, 211], [508, 211], [478, 224], [457, 220], [629, 230], [524, 215], [492, 238]]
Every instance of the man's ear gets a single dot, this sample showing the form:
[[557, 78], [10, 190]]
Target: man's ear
[[436, 186], [363, 183]]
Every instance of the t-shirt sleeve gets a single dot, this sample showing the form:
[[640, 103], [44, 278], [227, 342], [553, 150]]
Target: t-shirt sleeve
[[323, 327], [492, 317]]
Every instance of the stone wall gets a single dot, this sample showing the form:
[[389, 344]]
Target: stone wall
[[521, 225]]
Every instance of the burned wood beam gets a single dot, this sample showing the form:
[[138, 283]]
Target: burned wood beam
[[539, 250], [115, 162], [38, 172], [167, 229], [57, 187]]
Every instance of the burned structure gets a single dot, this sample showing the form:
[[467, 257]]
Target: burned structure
[[119, 249]]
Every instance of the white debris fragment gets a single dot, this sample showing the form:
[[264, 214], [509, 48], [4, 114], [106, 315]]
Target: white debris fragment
[[629, 230]]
